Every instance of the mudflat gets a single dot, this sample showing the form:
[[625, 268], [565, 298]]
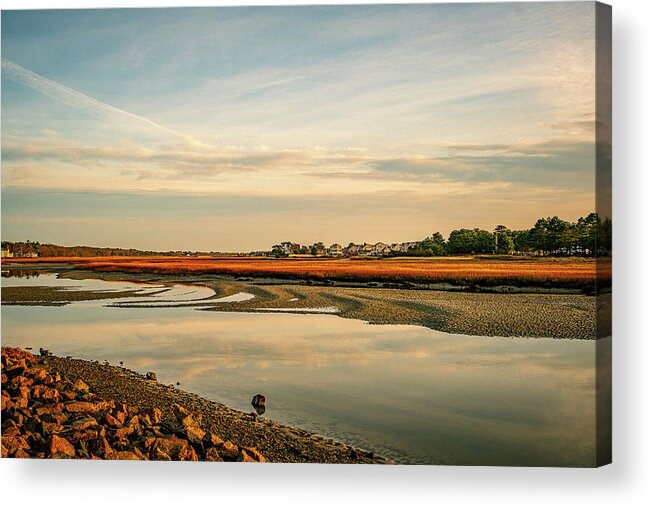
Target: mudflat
[[511, 311]]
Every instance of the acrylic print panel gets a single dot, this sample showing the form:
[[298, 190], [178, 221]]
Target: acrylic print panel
[[338, 234]]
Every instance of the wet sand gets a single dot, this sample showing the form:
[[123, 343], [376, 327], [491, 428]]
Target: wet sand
[[544, 315]]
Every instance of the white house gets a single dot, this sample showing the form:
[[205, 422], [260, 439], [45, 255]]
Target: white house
[[335, 250]]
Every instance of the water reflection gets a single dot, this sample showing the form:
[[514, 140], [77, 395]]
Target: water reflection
[[21, 273], [408, 392]]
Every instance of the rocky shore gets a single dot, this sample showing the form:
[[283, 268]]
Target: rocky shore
[[55, 407]]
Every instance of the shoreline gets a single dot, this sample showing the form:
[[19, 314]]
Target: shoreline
[[503, 314], [276, 442]]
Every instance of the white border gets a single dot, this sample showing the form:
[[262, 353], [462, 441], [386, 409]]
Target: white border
[[626, 482]]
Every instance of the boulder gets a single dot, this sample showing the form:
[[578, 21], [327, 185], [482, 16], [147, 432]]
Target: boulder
[[176, 448], [258, 403], [82, 424], [156, 415], [228, 450], [11, 444], [258, 400], [80, 385], [61, 445], [194, 433], [112, 421], [79, 406], [243, 456], [213, 455], [255, 454], [151, 375]]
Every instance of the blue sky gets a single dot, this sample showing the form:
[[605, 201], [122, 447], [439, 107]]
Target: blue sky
[[236, 128]]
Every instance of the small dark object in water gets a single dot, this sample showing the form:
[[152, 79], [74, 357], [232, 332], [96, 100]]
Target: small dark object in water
[[178, 383], [151, 375], [28, 348], [121, 363], [258, 402], [68, 357], [44, 352]]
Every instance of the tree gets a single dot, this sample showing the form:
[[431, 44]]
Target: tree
[[503, 240]]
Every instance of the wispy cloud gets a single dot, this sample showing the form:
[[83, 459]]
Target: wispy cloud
[[77, 99]]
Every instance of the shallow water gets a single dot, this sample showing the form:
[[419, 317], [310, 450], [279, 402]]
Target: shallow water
[[407, 392]]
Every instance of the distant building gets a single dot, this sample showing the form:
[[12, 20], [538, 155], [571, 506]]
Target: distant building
[[7, 253], [351, 249], [335, 250], [365, 249], [378, 248]]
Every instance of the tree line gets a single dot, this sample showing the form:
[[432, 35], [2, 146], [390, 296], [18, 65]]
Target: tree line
[[34, 248], [589, 235]]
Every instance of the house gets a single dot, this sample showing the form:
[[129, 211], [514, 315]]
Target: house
[[351, 249], [365, 249], [335, 250], [7, 253], [378, 248], [405, 247]]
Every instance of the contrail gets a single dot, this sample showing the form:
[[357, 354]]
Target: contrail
[[76, 99]]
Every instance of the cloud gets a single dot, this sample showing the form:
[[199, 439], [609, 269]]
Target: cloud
[[76, 99], [181, 160], [547, 163], [544, 162]]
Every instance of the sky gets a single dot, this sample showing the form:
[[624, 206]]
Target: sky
[[233, 129]]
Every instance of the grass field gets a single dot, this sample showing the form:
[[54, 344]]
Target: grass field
[[456, 270]]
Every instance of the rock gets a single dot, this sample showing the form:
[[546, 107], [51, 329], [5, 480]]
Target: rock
[[82, 424], [122, 433], [20, 453], [179, 411], [156, 415], [176, 448], [159, 455], [79, 406], [41, 391], [151, 375], [228, 450], [194, 433], [213, 455], [212, 439], [121, 415], [122, 455], [52, 427], [112, 421], [11, 444], [37, 423], [61, 445], [44, 352], [258, 403], [103, 446], [39, 373], [80, 385], [255, 454], [244, 457]]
